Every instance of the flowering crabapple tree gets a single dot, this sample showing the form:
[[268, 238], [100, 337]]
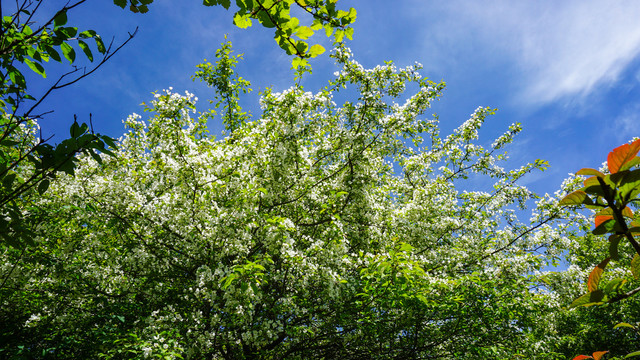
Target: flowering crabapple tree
[[317, 230]]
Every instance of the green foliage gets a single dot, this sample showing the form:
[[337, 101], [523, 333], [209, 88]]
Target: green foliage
[[610, 195], [290, 33], [227, 85], [318, 230], [27, 162]]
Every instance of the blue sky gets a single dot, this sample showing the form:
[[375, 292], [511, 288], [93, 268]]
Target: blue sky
[[568, 71]]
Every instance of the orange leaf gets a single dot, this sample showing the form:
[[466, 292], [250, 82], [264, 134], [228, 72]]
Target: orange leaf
[[621, 155], [596, 274], [602, 218], [599, 354], [627, 212], [582, 357]]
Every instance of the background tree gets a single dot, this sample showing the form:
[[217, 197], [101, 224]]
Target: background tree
[[315, 231]]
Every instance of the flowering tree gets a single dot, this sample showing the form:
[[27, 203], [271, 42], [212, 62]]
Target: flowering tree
[[316, 231]]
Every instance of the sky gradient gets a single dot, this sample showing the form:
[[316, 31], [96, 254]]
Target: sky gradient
[[568, 71]]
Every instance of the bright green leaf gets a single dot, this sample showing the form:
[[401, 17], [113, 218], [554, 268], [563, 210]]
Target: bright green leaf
[[85, 49], [68, 52]]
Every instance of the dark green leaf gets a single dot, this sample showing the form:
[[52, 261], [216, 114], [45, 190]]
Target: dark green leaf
[[7, 182], [60, 19], [43, 186], [53, 53], [614, 240], [74, 131], [101, 48], [121, 3]]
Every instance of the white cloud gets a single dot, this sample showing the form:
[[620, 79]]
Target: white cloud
[[559, 49], [627, 124]]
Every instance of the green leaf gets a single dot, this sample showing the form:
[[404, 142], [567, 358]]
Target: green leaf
[[605, 227], [52, 53], [635, 266], [7, 182], [60, 19], [630, 185], [588, 299], [101, 48], [36, 67], [87, 34], [242, 21], [614, 240], [631, 163], [349, 33], [68, 52], [588, 171], [624, 324], [121, 3], [43, 186], [635, 353], [86, 50], [316, 50], [74, 131], [304, 32], [614, 285], [297, 62]]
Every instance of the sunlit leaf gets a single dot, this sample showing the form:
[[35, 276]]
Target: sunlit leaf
[[599, 354], [578, 197], [588, 299], [588, 171], [635, 266], [635, 353], [304, 32], [602, 218], [316, 50], [624, 324], [596, 274], [614, 285], [68, 52], [621, 155], [85, 49]]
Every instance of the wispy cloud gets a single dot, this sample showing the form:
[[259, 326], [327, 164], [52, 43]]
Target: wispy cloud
[[559, 49]]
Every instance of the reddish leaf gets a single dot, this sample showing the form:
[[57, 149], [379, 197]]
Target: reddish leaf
[[621, 155], [602, 218], [627, 212], [582, 357], [596, 274], [599, 354]]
